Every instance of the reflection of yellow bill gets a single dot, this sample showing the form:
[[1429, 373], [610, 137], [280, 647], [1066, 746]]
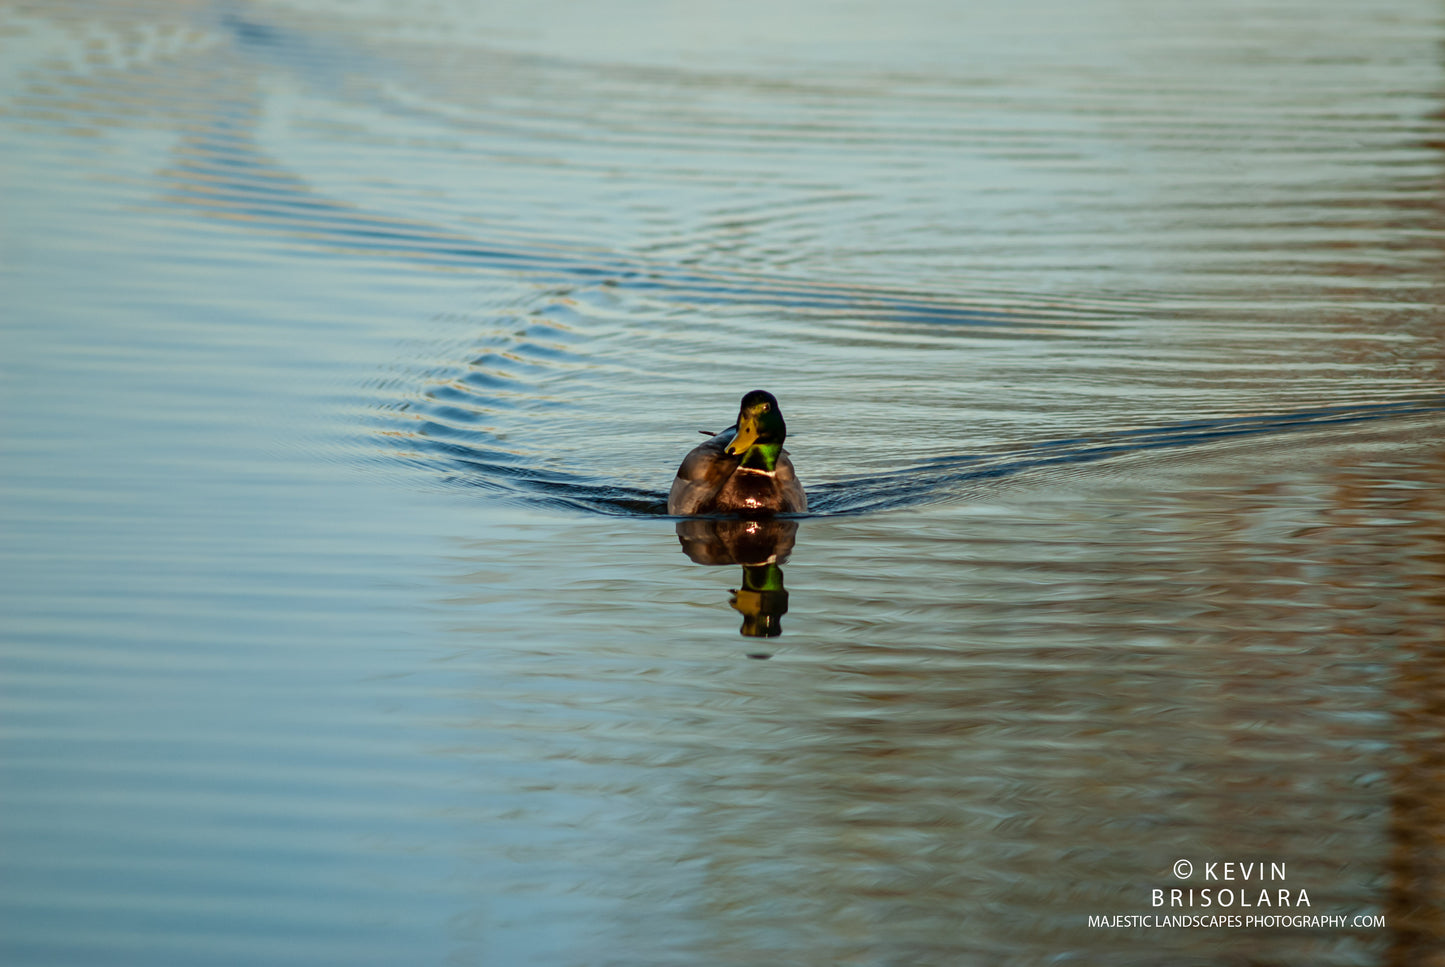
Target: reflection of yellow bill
[[748, 602]]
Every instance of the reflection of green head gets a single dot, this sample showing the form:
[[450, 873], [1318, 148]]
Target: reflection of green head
[[761, 431]]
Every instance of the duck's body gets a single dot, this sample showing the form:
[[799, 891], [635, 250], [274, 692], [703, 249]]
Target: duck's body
[[742, 470], [713, 481]]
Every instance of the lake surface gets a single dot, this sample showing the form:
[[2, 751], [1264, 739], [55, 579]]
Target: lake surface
[[347, 355]]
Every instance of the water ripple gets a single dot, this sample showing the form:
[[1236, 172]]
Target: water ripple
[[518, 417]]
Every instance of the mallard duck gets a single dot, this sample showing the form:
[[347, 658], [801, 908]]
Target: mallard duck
[[742, 470]]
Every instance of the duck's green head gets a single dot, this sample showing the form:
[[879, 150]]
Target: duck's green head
[[761, 431]]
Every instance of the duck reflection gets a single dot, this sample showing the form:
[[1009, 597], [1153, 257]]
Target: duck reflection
[[761, 547]]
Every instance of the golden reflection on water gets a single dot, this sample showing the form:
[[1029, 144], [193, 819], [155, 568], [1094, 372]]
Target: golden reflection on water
[[1415, 902]]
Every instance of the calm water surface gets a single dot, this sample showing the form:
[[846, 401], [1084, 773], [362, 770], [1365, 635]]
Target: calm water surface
[[346, 358]]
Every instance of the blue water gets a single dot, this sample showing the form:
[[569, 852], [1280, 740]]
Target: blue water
[[346, 357]]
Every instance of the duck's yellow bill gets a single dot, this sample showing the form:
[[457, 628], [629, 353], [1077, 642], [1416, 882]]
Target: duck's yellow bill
[[746, 436]]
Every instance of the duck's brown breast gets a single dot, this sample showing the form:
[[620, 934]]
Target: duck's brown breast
[[752, 492]]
